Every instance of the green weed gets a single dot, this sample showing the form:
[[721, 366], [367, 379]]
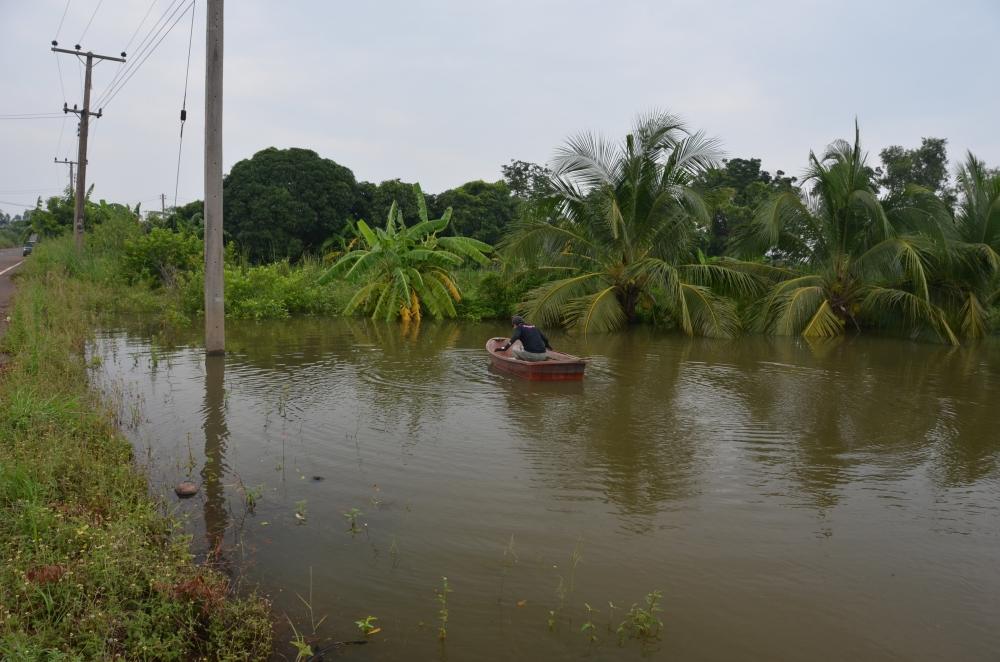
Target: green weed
[[642, 623]]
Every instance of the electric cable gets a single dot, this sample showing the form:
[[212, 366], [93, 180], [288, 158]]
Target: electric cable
[[187, 73]]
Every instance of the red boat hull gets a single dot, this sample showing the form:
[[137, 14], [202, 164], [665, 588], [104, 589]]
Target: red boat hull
[[559, 368]]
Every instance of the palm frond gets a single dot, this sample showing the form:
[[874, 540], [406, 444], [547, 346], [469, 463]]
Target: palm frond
[[883, 304], [792, 311], [721, 277], [824, 324], [973, 318], [545, 303], [709, 314], [598, 312], [894, 258]]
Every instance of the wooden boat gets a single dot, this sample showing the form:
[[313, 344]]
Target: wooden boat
[[559, 368]]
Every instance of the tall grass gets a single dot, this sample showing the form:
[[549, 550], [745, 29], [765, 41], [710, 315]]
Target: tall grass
[[90, 569]]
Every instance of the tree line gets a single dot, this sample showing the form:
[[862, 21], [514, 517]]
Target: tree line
[[654, 226]]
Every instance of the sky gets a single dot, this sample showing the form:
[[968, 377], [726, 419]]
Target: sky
[[446, 91]]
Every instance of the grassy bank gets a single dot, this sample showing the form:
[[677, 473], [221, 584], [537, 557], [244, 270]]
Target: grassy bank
[[91, 569]]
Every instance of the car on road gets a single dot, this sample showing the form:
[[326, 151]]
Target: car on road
[[28, 246]]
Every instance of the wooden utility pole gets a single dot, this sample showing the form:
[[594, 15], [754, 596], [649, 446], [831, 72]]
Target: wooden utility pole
[[70, 164], [215, 312], [163, 204], [81, 159]]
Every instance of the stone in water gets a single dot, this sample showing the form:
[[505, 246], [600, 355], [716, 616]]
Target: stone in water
[[186, 489]]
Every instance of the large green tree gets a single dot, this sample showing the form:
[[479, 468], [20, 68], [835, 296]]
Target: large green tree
[[925, 166], [868, 262], [629, 233], [376, 199], [733, 191], [481, 210], [284, 202]]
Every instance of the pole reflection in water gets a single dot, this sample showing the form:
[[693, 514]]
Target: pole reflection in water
[[216, 437]]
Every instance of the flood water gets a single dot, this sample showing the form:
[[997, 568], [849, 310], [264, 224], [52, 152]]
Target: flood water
[[791, 500]]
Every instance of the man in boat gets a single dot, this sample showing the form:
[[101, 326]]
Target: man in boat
[[532, 339]]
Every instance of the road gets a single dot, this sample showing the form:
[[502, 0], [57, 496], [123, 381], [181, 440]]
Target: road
[[9, 258]]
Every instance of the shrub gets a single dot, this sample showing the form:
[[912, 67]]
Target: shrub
[[160, 256]]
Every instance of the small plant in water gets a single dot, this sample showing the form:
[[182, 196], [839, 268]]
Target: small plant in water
[[442, 598], [588, 626], [642, 623], [303, 651], [552, 620], [251, 497], [300, 511], [367, 626], [352, 516]]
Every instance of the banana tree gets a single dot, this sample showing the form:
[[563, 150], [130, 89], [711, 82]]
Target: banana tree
[[403, 272]]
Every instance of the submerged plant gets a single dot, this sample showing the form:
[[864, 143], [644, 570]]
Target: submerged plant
[[642, 623], [367, 626], [352, 519], [588, 626], [442, 598], [251, 495], [303, 651], [300, 511]]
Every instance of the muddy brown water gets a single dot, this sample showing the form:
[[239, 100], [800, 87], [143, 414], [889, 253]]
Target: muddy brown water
[[791, 500]]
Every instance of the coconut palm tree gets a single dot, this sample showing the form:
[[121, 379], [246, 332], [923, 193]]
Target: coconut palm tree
[[406, 270], [868, 262], [628, 233], [970, 285]]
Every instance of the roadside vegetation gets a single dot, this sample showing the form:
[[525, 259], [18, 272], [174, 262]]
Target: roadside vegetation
[[92, 569]]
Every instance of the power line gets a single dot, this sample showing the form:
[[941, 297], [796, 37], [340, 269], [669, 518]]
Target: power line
[[138, 65], [30, 117], [187, 73], [62, 132], [139, 27], [62, 86], [142, 47], [59, 29], [99, 3], [143, 54]]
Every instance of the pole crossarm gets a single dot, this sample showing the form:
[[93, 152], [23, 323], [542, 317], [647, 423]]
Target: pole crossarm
[[89, 54], [83, 111]]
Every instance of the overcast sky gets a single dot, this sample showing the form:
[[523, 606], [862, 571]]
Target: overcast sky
[[443, 92]]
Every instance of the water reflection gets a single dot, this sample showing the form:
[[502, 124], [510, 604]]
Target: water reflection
[[214, 468], [622, 430]]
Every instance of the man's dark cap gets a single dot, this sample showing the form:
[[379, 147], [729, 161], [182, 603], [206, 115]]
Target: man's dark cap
[[517, 320]]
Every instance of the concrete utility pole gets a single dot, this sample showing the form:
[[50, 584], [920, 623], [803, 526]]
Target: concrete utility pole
[[163, 204], [81, 159], [215, 313], [70, 164]]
